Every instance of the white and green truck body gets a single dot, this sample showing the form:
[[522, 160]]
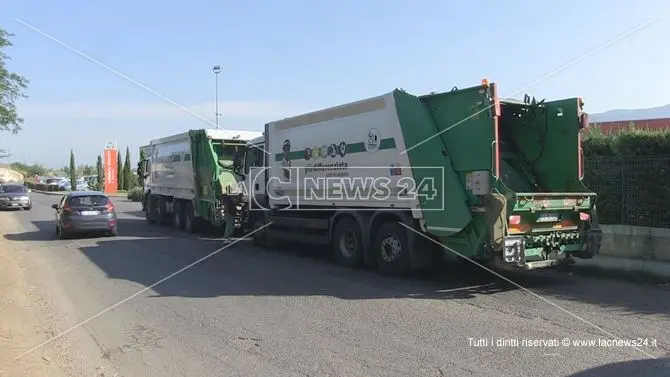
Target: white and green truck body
[[399, 180]]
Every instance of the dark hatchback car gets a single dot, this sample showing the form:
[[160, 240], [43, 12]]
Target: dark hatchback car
[[84, 212], [14, 195]]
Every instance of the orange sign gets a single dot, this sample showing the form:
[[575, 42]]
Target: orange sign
[[111, 169]]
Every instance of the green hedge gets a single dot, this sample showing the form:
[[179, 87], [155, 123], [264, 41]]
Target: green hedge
[[630, 172], [135, 194], [626, 143]]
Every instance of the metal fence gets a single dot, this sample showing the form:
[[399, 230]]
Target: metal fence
[[631, 190]]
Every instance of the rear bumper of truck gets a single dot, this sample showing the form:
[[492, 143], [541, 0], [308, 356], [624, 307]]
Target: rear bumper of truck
[[549, 229], [513, 253]]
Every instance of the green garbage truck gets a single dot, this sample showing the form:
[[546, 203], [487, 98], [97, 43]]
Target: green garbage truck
[[186, 175], [397, 180]]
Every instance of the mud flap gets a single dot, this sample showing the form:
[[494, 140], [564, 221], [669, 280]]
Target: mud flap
[[592, 246]]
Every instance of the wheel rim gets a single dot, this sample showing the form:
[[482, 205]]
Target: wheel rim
[[391, 248], [348, 243]]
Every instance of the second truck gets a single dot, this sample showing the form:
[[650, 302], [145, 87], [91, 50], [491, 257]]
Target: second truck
[[186, 176]]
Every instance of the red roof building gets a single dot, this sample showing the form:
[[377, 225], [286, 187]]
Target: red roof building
[[608, 127]]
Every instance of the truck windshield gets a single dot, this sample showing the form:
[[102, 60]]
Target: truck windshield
[[225, 154]]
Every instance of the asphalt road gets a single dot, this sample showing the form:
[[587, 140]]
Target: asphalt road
[[292, 312]]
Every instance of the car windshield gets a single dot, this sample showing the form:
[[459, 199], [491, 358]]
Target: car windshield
[[12, 189], [89, 200]]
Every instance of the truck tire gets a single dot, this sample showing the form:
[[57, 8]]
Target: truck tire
[[160, 212], [150, 212], [260, 237], [392, 249], [348, 243], [189, 218], [178, 214]]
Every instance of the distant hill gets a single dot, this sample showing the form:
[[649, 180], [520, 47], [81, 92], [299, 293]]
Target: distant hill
[[619, 115]]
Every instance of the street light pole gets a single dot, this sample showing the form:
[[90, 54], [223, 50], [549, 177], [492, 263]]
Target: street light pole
[[216, 69]]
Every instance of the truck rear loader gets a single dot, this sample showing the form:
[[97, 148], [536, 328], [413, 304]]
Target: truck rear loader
[[186, 175], [399, 180]]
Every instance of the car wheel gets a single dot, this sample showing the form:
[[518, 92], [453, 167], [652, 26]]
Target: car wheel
[[348, 243], [28, 208], [392, 249]]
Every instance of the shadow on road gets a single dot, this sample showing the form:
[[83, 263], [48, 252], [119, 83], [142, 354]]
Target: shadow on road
[[638, 368], [146, 253]]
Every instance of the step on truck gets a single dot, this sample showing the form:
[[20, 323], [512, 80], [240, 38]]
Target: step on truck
[[185, 177], [399, 180]]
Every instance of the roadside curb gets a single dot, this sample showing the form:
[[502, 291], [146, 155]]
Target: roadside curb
[[61, 193]]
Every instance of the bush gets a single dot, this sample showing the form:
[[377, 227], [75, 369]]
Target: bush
[[626, 142], [630, 172], [135, 194]]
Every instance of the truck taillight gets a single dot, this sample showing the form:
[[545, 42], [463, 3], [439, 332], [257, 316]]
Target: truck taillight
[[515, 220], [583, 216]]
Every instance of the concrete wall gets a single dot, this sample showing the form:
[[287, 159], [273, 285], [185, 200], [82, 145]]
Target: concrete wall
[[636, 242]]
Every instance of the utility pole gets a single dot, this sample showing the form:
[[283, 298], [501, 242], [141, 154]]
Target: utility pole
[[216, 69]]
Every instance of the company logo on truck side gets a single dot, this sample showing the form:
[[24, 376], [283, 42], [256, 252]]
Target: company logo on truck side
[[372, 144]]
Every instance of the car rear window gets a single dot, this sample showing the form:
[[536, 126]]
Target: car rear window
[[89, 200]]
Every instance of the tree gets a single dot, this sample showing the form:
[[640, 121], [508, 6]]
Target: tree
[[127, 172], [73, 171], [119, 172], [140, 178], [30, 171], [99, 171], [12, 88]]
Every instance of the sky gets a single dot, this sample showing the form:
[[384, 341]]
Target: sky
[[133, 71]]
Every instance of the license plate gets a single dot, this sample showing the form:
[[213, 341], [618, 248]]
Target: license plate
[[89, 213], [15, 204], [547, 218]]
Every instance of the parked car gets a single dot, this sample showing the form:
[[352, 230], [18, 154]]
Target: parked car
[[85, 212], [15, 195]]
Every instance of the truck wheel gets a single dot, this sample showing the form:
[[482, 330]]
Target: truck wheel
[[259, 237], [178, 215], [149, 210], [189, 218], [392, 249], [348, 243], [160, 212]]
